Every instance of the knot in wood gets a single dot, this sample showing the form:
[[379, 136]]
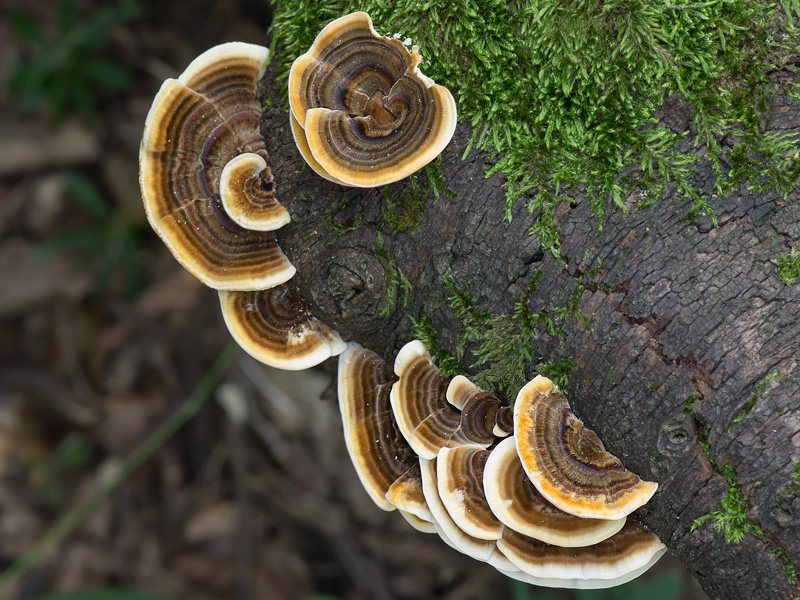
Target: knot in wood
[[676, 437], [350, 291]]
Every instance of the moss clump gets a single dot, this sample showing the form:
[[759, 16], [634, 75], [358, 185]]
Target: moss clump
[[499, 349], [757, 393], [788, 266], [566, 93], [394, 277], [731, 518], [404, 211]]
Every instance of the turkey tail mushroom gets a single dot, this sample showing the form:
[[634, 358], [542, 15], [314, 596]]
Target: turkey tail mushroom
[[210, 195], [362, 112]]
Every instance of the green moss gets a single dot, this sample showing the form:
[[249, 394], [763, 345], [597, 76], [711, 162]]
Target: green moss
[[395, 279], [404, 210], [788, 266], [340, 226], [557, 371], [499, 349], [424, 332], [731, 517], [759, 391], [566, 93], [795, 487]]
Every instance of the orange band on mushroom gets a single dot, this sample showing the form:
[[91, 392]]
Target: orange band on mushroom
[[516, 502], [567, 462], [369, 116]]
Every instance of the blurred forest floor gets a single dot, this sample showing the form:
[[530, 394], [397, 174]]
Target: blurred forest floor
[[103, 335]]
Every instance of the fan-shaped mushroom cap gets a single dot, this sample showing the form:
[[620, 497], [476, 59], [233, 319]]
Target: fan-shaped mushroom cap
[[299, 136], [423, 414], [406, 494], [518, 505], [402, 119], [449, 531], [504, 422], [275, 327], [567, 462], [479, 410], [459, 476], [196, 125], [247, 195], [379, 453], [612, 562]]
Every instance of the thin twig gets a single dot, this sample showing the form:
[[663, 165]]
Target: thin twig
[[75, 516]]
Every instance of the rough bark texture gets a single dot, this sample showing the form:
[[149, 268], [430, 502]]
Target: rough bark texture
[[674, 308]]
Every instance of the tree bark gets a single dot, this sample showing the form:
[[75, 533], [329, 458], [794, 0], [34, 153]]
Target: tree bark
[[676, 311]]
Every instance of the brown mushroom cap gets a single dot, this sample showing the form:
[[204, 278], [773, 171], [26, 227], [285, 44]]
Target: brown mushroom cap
[[614, 561], [247, 196], [275, 327], [300, 140], [423, 414], [518, 505], [196, 125], [370, 116], [459, 475], [379, 453], [567, 462], [448, 530], [479, 410], [406, 494], [504, 422]]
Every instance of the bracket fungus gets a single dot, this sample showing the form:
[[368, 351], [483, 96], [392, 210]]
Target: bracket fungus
[[517, 503], [210, 196], [459, 476], [447, 528], [612, 562], [385, 464], [425, 445], [196, 125], [363, 113], [275, 327], [477, 496], [567, 462]]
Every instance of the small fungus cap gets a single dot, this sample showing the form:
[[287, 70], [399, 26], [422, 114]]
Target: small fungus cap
[[407, 495], [480, 411], [379, 453], [611, 562], [426, 419], [275, 327], [459, 474], [516, 503], [370, 117], [567, 462], [196, 125]]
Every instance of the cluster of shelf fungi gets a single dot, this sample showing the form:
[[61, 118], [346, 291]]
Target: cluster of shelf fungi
[[526, 488]]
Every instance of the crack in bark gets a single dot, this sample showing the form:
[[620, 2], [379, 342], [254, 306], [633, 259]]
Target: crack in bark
[[700, 373]]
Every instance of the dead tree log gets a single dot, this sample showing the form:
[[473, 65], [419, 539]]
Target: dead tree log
[[686, 326]]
